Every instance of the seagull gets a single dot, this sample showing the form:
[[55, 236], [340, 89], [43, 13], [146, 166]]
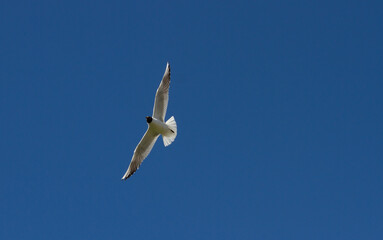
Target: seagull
[[156, 126]]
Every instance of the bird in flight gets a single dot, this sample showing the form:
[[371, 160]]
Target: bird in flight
[[156, 126]]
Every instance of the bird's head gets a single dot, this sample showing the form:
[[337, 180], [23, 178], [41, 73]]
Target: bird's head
[[149, 119]]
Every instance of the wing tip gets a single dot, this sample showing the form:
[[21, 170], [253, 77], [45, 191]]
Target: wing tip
[[127, 175], [168, 67], [166, 76], [124, 177]]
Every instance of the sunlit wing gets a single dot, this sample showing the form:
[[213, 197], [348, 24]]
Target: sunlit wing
[[141, 152], [162, 96]]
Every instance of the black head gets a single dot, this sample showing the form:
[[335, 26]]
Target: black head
[[149, 119]]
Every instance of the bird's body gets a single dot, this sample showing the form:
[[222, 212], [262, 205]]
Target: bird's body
[[156, 126], [160, 127]]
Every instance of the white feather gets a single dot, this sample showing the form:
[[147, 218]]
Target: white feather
[[169, 138]]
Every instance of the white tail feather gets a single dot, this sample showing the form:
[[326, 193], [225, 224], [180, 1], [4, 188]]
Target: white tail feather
[[168, 139]]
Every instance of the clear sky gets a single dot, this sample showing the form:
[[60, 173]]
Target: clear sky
[[278, 105]]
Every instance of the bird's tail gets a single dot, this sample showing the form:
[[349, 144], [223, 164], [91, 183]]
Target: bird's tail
[[168, 139]]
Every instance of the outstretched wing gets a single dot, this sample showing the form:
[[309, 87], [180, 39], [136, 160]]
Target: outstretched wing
[[162, 96], [141, 152]]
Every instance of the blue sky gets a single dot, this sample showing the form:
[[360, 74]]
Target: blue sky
[[278, 105]]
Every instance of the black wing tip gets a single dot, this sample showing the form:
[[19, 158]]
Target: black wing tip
[[167, 70], [168, 66], [127, 176]]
